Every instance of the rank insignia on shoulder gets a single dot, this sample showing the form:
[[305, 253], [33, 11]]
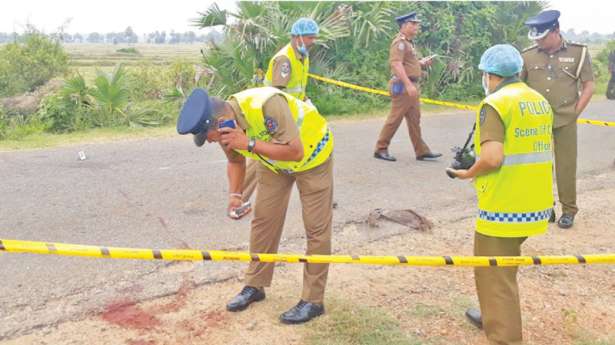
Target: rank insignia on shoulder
[[483, 115], [285, 69], [271, 124]]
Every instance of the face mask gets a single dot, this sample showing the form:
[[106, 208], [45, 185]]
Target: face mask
[[486, 84], [302, 48]]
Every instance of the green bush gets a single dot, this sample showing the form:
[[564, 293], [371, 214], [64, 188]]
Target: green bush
[[131, 51], [60, 114], [3, 124], [147, 81], [29, 64]]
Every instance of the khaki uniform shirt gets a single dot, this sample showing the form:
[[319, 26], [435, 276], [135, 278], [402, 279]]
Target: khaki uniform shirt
[[277, 109], [403, 50], [282, 70], [612, 62], [558, 77]]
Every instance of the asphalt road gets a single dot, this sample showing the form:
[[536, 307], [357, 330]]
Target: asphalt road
[[166, 193]]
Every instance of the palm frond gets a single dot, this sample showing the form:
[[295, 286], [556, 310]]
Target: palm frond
[[214, 16]]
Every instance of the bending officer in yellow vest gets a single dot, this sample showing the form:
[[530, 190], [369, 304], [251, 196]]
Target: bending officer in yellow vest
[[291, 142], [287, 71], [513, 181]]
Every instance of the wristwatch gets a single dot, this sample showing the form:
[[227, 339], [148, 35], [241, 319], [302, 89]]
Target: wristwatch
[[251, 144]]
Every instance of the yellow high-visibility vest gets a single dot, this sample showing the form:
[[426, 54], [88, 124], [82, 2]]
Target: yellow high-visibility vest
[[314, 132], [516, 199], [298, 72]]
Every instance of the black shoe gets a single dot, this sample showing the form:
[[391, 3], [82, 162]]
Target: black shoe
[[552, 217], [384, 155], [247, 296], [566, 221], [302, 312], [428, 156], [474, 317]]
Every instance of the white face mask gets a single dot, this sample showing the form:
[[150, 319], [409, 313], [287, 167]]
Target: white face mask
[[486, 83], [302, 48]]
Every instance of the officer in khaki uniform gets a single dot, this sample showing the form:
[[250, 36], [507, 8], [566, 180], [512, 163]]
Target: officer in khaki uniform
[[403, 86], [287, 71], [610, 89], [513, 181], [291, 143], [562, 72]]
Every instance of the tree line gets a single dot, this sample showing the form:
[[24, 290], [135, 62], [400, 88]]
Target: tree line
[[128, 36]]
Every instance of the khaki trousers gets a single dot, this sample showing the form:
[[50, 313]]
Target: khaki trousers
[[273, 193], [403, 106], [498, 292], [565, 147], [249, 180]]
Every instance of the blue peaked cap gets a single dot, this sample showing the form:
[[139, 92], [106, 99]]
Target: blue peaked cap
[[304, 27], [501, 59], [196, 114], [410, 17]]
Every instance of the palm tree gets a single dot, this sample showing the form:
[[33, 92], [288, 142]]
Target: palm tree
[[110, 93]]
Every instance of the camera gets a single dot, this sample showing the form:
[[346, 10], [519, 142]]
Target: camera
[[464, 156]]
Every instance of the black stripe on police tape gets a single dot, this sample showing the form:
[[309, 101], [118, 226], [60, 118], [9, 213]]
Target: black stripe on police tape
[[581, 259], [206, 255], [157, 254]]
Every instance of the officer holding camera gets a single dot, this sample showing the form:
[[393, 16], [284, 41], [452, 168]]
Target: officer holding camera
[[513, 181], [292, 143]]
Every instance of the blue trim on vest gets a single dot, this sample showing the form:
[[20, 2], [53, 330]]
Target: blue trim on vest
[[321, 145], [511, 217]]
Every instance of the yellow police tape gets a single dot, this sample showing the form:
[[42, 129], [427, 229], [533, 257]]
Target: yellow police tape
[[16, 246], [433, 101]]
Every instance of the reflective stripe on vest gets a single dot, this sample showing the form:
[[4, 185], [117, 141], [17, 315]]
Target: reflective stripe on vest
[[516, 199], [528, 158], [512, 217], [316, 138], [298, 72]]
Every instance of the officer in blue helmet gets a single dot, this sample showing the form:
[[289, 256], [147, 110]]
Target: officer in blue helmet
[[406, 70], [513, 181], [288, 71], [562, 72]]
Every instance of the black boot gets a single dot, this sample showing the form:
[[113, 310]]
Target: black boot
[[302, 312], [247, 296], [566, 221]]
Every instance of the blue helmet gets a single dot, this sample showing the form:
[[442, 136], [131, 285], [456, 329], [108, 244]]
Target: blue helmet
[[304, 27], [501, 59]]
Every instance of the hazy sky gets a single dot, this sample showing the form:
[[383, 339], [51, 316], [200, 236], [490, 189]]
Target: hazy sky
[[115, 15]]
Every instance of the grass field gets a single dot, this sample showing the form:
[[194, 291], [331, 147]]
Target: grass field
[[88, 58]]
